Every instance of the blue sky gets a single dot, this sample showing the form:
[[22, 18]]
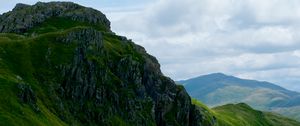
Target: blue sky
[[254, 39]]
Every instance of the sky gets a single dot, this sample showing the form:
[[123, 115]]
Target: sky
[[252, 39]]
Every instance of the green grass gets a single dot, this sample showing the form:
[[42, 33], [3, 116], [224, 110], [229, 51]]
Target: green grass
[[33, 58], [12, 112], [208, 115], [243, 115], [56, 24], [16, 67], [240, 115]]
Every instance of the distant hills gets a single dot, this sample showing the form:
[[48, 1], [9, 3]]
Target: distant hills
[[218, 89]]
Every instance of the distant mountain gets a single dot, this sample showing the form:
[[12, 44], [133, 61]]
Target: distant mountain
[[219, 89]]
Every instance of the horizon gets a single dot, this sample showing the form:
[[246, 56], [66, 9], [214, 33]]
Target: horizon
[[228, 75], [247, 39]]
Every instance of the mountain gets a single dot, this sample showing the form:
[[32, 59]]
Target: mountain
[[219, 89], [60, 64], [243, 115]]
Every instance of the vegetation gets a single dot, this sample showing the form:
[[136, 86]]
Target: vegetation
[[69, 72], [219, 89], [68, 68], [243, 115], [57, 24], [23, 60]]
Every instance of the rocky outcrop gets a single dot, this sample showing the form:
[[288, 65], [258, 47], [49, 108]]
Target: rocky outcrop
[[27, 96], [24, 17], [108, 78], [132, 88]]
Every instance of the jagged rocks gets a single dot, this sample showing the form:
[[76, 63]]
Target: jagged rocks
[[20, 6], [106, 78], [79, 77], [131, 88], [27, 96], [24, 17]]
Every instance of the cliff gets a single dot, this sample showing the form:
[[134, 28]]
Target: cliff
[[60, 64]]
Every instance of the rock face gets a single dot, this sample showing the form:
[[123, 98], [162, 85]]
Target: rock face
[[24, 17], [108, 78], [27, 96], [134, 90]]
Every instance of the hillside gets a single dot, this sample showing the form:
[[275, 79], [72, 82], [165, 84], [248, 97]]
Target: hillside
[[60, 64], [219, 89], [242, 115]]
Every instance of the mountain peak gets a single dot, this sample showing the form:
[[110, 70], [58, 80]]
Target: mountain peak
[[223, 79], [75, 72], [20, 6], [217, 74], [24, 17]]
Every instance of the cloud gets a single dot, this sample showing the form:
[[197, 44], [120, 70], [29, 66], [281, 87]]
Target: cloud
[[252, 39], [249, 38]]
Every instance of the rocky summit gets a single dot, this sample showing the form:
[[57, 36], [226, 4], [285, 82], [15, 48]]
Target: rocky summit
[[60, 64], [24, 17]]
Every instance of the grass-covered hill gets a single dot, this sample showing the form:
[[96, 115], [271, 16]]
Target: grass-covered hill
[[243, 115], [219, 89], [60, 64]]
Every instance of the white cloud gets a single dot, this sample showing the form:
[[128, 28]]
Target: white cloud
[[275, 11], [196, 37], [247, 38]]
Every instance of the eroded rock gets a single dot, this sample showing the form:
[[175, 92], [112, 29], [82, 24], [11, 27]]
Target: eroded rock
[[27, 96], [23, 17]]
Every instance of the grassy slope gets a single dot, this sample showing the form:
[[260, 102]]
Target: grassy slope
[[243, 115], [240, 115], [14, 63], [22, 57]]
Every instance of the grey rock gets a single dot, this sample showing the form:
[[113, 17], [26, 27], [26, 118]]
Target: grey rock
[[23, 17], [27, 96], [100, 83], [20, 6], [139, 84]]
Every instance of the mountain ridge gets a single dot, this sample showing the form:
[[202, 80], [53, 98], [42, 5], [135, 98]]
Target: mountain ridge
[[62, 65], [222, 76], [23, 17], [219, 89]]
